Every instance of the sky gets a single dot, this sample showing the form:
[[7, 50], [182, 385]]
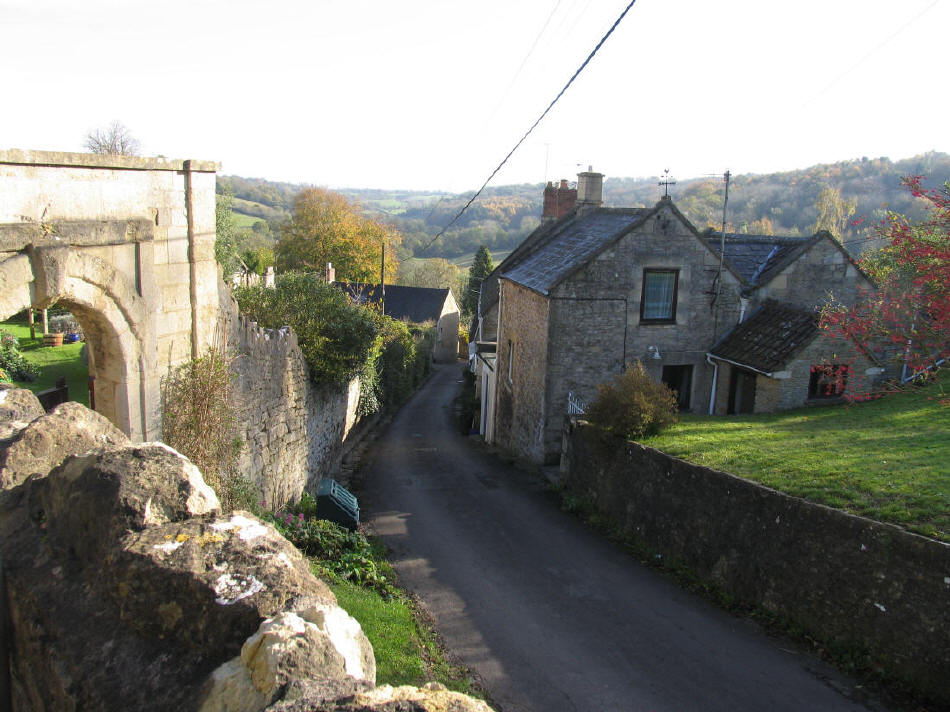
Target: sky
[[433, 94]]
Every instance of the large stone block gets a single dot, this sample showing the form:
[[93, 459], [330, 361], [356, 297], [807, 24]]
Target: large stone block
[[48, 439]]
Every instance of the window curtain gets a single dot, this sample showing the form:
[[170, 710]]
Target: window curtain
[[658, 295]]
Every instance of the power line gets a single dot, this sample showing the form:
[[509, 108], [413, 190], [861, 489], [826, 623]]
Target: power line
[[873, 50], [524, 61], [533, 126]]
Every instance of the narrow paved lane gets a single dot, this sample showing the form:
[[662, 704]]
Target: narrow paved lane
[[550, 615]]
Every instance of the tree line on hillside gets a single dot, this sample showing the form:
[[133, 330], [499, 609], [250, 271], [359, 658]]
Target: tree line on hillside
[[778, 203]]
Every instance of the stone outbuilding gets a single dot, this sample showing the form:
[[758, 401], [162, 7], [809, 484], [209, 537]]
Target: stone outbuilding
[[597, 289], [778, 358], [416, 305]]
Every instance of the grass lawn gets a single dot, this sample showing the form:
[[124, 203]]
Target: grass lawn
[[887, 459], [242, 220], [407, 653], [54, 362]]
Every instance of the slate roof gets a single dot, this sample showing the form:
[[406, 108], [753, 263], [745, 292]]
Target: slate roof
[[758, 258], [768, 339], [415, 304], [569, 245]]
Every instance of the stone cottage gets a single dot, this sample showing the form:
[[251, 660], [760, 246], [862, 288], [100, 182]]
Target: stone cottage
[[416, 305], [596, 289]]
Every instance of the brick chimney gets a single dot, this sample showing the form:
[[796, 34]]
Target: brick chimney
[[558, 200], [590, 189]]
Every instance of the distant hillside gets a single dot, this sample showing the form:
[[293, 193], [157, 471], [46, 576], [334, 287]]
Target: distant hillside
[[781, 202]]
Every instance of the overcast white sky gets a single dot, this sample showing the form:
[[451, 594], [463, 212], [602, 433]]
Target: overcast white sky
[[431, 94]]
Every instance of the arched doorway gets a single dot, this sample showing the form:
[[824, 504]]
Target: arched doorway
[[113, 318]]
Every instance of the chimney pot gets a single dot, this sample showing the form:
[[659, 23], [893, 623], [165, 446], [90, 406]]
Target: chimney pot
[[558, 201], [590, 189]]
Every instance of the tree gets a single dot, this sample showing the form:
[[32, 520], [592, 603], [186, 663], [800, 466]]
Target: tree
[[336, 336], [258, 259], [326, 227], [834, 212], [907, 317], [481, 268], [225, 234], [115, 139]]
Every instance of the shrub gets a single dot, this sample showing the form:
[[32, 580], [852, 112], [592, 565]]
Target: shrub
[[633, 405], [337, 553], [199, 419], [12, 361], [336, 337], [396, 362]]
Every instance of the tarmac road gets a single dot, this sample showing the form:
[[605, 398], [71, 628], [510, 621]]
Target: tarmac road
[[547, 613]]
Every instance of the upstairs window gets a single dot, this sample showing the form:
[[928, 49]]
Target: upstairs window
[[658, 301]]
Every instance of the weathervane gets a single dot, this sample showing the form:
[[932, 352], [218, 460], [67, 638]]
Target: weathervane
[[666, 182]]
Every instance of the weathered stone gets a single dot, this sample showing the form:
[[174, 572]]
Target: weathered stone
[[45, 442], [18, 407], [429, 698], [285, 648], [59, 534], [208, 584], [125, 592], [92, 500]]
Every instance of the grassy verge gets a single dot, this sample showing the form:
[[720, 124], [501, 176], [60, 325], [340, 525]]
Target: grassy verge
[[407, 650], [53, 362], [885, 459]]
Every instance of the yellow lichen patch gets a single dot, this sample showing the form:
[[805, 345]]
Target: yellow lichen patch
[[170, 613], [209, 539], [181, 538]]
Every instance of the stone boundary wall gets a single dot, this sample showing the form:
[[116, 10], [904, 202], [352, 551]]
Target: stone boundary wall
[[293, 430], [847, 581]]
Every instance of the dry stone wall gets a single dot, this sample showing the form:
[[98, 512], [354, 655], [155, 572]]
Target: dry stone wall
[[293, 431], [851, 583]]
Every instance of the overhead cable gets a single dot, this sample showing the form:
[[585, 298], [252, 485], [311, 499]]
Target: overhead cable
[[533, 126]]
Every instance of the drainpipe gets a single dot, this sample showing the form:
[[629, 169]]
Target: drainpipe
[[715, 382]]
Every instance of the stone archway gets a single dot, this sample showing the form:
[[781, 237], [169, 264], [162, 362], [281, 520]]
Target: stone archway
[[113, 316], [128, 244]]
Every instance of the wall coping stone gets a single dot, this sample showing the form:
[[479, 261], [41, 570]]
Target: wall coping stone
[[21, 157]]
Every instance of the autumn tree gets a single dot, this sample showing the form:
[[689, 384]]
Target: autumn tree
[[115, 139], [326, 227], [907, 317], [762, 226], [834, 212], [481, 268]]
